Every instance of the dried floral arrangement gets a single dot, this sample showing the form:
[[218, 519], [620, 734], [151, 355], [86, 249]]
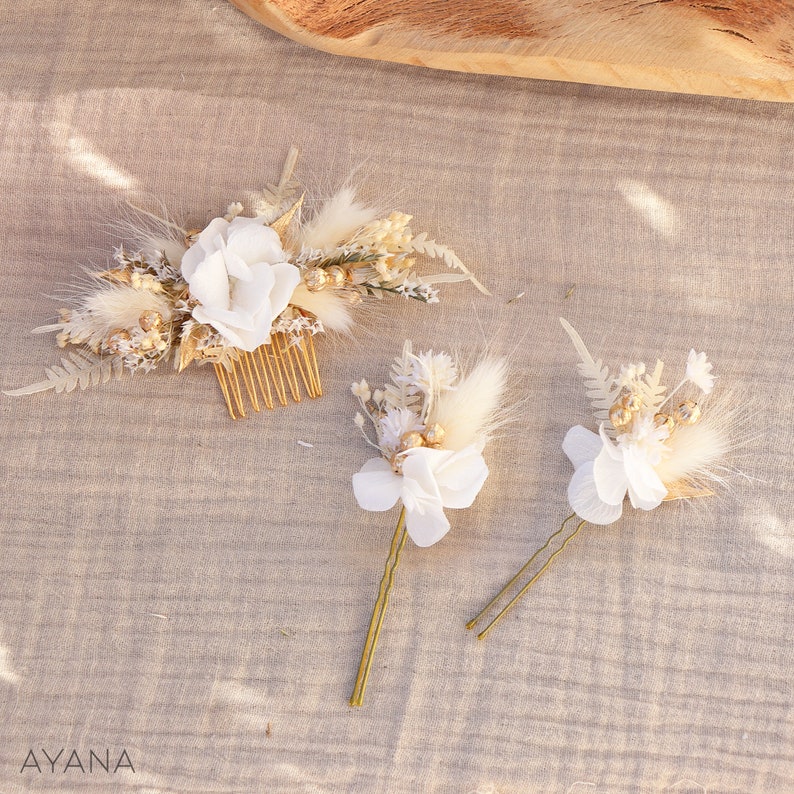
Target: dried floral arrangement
[[649, 447], [246, 294], [429, 426]]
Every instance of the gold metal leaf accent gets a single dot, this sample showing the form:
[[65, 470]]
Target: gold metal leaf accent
[[686, 490], [280, 225], [188, 347]]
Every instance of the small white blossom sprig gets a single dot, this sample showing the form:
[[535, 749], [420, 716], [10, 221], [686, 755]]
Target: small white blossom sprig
[[430, 426], [649, 447], [245, 294]]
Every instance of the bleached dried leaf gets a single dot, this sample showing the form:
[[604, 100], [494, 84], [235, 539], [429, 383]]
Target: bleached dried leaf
[[421, 245], [81, 369], [598, 382], [651, 389]]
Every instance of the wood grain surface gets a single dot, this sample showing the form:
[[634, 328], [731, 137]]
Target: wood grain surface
[[736, 48]]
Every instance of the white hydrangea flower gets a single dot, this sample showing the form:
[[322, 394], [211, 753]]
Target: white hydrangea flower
[[431, 480], [606, 472]]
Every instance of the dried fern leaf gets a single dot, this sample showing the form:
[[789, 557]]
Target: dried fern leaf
[[598, 382], [396, 393], [652, 390], [81, 369], [421, 245]]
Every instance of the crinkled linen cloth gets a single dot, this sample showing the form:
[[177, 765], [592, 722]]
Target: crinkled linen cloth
[[195, 591]]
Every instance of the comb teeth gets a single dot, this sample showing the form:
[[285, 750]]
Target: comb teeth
[[269, 375]]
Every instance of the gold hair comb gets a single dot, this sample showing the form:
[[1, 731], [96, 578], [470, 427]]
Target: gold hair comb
[[246, 294]]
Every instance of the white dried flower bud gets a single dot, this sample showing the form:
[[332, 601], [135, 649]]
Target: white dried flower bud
[[233, 210], [359, 420], [361, 390]]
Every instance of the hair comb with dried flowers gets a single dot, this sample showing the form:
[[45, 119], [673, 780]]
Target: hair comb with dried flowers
[[431, 424], [648, 447], [245, 294]]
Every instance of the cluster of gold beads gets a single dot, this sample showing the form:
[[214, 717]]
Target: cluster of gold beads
[[686, 413], [152, 339], [433, 437], [622, 413]]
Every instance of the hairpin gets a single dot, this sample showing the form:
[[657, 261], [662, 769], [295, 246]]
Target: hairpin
[[430, 425], [244, 294], [649, 446]]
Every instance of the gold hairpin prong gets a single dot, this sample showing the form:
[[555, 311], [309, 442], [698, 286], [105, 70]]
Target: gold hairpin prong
[[293, 354], [261, 380], [235, 384], [248, 379], [473, 622], [315, 368], [275, 373], [283, 366], [220, 373], [379, 611], [303, 353]]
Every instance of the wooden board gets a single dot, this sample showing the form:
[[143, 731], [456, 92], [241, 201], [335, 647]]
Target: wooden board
[[737, 48]]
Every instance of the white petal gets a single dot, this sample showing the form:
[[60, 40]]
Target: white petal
[[234, 319], [251, 296], [205, 244], [236, 266], [253, 242], [376, 487], [646, 490], [581, 445], [460, 476], [228, 332], [209, 284], [613, 449], [420, 489], [610, 476], [428, 527], [584, 500], [287, 279]]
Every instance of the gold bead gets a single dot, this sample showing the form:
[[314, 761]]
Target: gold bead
[[619, 416], [411, 440], [315, 279], [116, 338], [434, 435], [354, 298], [150, 319], [664, 420], [396, 462], [632, 402], [336, 276], [687, 413]]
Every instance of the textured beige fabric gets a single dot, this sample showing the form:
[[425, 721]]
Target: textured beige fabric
[[196, 591]]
